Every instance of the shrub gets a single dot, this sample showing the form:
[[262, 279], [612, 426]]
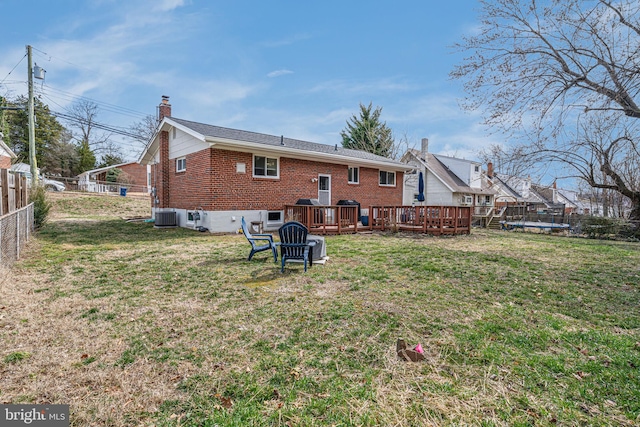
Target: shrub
[[601, 228], [41, 206]]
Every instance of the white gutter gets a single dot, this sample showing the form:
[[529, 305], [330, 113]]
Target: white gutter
[[296, 153]]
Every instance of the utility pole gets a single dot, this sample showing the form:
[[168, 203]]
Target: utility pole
[[32, 129]]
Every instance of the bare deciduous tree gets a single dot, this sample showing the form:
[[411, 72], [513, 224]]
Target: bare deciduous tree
[[82, 117], [144, 129], [509, 160], [539, 67]]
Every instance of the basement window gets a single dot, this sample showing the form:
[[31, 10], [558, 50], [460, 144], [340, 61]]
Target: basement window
[[274, 217], [181, 164], [193, 216]]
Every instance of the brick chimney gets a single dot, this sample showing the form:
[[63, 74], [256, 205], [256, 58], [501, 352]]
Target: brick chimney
[[164, 109], [490, 170]]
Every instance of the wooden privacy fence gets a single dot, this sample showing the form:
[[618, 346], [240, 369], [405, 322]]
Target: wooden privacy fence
[[13, 192], [16, 216]]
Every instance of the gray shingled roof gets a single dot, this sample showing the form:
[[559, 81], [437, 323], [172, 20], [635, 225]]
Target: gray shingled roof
[[453, 181], [272, 140]]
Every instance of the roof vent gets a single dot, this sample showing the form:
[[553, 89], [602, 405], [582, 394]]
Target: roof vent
[[281, 139], [336, 149]]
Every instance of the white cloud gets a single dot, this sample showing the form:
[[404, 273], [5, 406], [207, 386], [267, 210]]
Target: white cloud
[[278, 73], [370, 87], [166, 5], [213, 102]]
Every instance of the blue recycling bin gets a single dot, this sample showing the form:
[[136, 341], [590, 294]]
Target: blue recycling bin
[[123, 191]]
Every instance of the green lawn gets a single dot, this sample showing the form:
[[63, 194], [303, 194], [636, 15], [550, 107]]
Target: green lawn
[[132, 325]]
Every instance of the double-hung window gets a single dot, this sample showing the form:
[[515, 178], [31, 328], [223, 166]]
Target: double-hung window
[[354, 175], [181, 164], [387, 178], [265, 166]]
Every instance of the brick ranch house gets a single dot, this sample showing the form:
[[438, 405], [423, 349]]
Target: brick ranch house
[[134, 176], [220, 174], [6, 155]]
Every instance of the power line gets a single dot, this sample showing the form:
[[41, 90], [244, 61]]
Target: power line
[[68, 96], [16, 66], [108, 128]]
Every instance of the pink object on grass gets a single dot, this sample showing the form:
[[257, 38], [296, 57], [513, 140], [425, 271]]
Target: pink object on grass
[[419, 348]]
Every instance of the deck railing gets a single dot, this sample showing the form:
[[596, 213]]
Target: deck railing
[[341, 219], [422, 219], [418, 219]]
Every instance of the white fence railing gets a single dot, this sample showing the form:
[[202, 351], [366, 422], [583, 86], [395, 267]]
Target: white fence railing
[[15, 230]]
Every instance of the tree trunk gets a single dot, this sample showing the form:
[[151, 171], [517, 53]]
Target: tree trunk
[[634, 215]]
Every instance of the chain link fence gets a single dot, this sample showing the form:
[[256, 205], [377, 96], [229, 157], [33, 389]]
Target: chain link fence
[[15, 230]]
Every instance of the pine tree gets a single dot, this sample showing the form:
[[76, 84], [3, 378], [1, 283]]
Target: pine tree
[[48, 131], [368, 133], [87, 160]]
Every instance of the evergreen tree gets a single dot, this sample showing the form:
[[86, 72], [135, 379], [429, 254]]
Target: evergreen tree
[[368, 133], [86, 158], [60, 159], [48, 131]]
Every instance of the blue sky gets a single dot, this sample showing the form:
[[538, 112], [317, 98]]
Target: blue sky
[[292, 68]]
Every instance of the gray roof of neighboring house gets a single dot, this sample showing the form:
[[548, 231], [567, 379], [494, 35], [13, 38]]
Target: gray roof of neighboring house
[[275, 141], [546, 194], [502, 181], [537, 193], [106, 168]]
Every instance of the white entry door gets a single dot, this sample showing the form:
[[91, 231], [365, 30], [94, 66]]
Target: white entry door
[[324, 189]]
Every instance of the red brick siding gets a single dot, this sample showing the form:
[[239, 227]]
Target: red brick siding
[[137, 173], [212, 182], [5, 162], [191, 189], [164, 172]]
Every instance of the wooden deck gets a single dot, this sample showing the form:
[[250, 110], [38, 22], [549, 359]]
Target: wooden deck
[[437, 220], [325, 219]]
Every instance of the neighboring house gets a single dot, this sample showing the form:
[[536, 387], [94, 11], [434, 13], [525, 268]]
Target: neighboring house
[[219, 174], [448, 181], [575, 203], [135, 176], [6, 155], [536, 198]]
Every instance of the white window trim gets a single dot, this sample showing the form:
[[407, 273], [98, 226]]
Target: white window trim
[[356, 168], [190, 217], [280, 221], [178, 161], [253, 167], [387, 185]]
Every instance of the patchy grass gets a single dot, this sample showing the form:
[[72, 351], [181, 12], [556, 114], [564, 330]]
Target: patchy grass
[[132, 325]]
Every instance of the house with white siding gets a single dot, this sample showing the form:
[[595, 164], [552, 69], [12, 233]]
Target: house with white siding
[[6, 155], [448, 181]]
